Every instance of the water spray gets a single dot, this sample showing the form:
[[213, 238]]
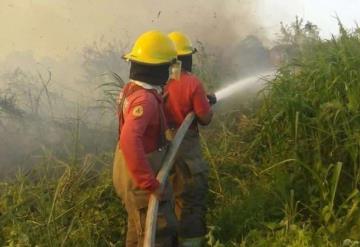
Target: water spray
[[251, 82], [239, 86]]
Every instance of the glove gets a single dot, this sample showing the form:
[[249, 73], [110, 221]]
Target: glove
[[212, 98]]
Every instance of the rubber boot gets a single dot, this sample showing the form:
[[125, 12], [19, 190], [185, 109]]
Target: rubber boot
[[191, 242]]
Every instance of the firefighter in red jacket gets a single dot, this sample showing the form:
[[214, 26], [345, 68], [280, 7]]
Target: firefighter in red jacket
[[141, 145], [190, 181]]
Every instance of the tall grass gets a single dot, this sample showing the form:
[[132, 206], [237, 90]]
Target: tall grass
[[62, 204], [311, 115], [296, 182]]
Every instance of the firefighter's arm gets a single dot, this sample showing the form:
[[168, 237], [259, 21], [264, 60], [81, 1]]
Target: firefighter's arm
[[205, 119], [201, 105], [137, 119]]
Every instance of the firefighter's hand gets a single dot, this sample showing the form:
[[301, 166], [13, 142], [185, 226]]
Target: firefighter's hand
[[159, 193], [212, 98]]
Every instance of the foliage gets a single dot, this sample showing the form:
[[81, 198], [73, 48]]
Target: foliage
[[311, 115], [303, 158], [61, 204]]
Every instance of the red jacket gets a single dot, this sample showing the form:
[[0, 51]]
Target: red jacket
[[139, 132], [185, 95]]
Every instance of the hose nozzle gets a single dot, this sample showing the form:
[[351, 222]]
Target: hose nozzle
[[212, 98]]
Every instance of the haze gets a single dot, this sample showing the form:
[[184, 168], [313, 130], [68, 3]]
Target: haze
[[58, 28]]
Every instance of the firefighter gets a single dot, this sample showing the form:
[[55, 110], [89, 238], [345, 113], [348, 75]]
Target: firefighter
[[142, 145], [190, 179]]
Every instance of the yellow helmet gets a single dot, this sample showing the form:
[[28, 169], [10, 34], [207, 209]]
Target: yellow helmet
[[182, 43], [152, 47]]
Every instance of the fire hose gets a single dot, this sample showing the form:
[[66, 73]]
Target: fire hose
[[151, 216]]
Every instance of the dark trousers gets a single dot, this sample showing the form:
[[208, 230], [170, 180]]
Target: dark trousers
[[190, 185]]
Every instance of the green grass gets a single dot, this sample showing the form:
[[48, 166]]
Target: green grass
[[61, 204], [302, 183]]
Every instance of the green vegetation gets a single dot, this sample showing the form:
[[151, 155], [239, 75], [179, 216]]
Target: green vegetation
[[284, 171], [61, 204], [295, 179]]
